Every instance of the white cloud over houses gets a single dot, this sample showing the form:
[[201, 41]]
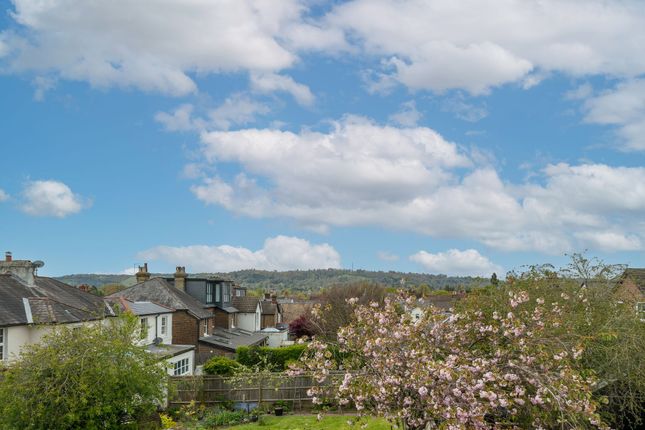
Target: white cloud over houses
[[364, 174], [454, 262], [623, 107], [436, 45], [278, 253], [51, 198], [476, 45], [157, 45]]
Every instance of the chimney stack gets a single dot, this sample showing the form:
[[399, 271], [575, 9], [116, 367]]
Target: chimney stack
[[267, 296], [274, 298], [180, 278], [142, 275], [23, 269]]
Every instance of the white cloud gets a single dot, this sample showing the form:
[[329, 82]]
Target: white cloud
[[156, 45], [238, 109], [454, 262], [42, 85], [51, 198], [408, 116], [278, 253], [387, 256], [475, 45], [623, 107], [272, 82], [3, 195], [464, 110], [364, 174]]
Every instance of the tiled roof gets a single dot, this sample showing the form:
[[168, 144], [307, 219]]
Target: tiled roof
[[269, 308], [246, 304], [157, 290], [230, 339], [47, 301], [638, 276]]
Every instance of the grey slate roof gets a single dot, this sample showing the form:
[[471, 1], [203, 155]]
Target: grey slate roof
[[269, 308], [167, 351], [157, 290], [246, 304], [47, 302], [230, 339]]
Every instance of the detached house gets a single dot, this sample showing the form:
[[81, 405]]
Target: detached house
[[190, 319], [30, 305]]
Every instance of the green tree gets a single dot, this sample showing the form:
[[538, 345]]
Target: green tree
[[493, 280], [88, 377]]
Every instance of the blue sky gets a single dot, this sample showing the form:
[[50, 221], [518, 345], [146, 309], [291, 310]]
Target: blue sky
[[439, 136]]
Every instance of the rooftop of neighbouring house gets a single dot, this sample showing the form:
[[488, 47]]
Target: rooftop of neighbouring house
[[246, 304], [637, 275], [230, 339], [26, 298], [159, 291], [139, 308]]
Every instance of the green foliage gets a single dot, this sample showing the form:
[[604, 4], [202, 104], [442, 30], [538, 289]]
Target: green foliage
[[221, 366], [224, 418], [88, 377], [275, 359], [609, 331]]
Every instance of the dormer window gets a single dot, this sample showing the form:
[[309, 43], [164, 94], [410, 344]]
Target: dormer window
[[209, 293]]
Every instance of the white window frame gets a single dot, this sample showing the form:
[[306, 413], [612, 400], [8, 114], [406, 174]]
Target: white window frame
[[164, 325], [218, 292], [3, 343], [209, 293], [182, 367], [143, 322], [227, 293]]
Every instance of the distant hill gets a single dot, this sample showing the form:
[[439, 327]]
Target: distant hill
[[302, 280]]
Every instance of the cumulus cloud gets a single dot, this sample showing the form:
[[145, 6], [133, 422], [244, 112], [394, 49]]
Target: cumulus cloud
[[3, 195], [408, 116], [278, 253], [51, 198], [476, 45], [364, 174], [156, 46], [272, 82], [238, 109], [454, 262], [623, 107]]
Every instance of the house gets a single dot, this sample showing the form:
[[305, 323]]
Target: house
[[271, 311], [226, 341], [215, 294], [444, 303], [156, 334], [30, 305], [249, 313], [190, 318], [631, 288]]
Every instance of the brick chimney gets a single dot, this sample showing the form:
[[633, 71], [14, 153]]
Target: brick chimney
[[142, 275], [25, 270], [267, 296], [180, 278], [274, 298]]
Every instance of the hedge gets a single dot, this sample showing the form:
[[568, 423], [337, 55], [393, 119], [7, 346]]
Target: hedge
[[221, 366], [273, 358]]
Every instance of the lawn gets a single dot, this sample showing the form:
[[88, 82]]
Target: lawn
[[310, 422]]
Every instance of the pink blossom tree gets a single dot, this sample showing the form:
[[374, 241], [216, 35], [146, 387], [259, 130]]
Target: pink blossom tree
[[469, 370]]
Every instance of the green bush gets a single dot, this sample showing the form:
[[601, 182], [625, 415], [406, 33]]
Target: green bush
[[221, 366], [269, 358], [225, 418]]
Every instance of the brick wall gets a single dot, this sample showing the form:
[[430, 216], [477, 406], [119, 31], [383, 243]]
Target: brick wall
[[222, 319], [185, 329]]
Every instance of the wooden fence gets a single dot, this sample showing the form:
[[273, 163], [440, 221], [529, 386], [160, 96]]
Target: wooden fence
[[248, 389]]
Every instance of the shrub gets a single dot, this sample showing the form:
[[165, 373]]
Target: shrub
[[269, 358], [90, 377], [225, 418], [221, 366]]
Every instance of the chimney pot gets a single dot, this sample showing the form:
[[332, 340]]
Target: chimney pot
[[142, 275], [8, 256]]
